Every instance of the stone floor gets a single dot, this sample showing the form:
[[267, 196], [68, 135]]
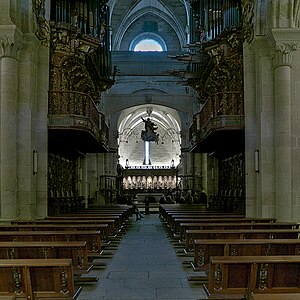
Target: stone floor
[[144, 266]]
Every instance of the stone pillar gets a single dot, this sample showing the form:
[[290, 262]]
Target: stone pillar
[[100, 199], [85, 184], [212, 175], [204, 171], [283, 129], [8, 131], [250, 131], [41, 131], [92, 172], [200, 171], [27, 107]]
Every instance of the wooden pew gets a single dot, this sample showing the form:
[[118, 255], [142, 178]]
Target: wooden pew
[[77, 251], [103, 228], [119, 216], [205, 249], [164, 209], [212, 219], [237, 275], [287, 296], [116, 218], [111, 223], [234, 225], [124, 209], [175, 221], [37, 278], [92, 238], [239, 234]]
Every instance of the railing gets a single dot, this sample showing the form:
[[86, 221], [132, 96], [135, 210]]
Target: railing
[[73, 103], [225, 104], [66, 103], [220, 109]]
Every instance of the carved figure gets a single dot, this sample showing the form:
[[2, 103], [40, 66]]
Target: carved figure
[[149, 133]]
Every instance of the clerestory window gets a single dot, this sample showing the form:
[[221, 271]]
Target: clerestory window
[[148, 45], [148, 42]]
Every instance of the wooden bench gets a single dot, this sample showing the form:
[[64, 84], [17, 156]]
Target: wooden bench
[[234, 225], [239, 234], [77, 251], [111, 223], [205, 249], [175, 220], [287, 296], [92, 238], [37, 278], [210, 218], [164, 209], [237, 275], [116, 218], [124, 209], [103, 228]]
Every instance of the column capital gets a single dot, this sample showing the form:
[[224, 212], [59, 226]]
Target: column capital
[[9, 46], [283, 42], [283, 53]]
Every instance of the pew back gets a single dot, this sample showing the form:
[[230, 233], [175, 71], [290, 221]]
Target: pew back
[[205, 249], [37, 278], [257, 274]]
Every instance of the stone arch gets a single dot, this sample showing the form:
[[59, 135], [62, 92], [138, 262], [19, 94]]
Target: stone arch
[[130, 125], [165, 15]]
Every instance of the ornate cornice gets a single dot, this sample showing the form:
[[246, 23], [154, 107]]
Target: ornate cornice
[[43, 31], [283, 53]]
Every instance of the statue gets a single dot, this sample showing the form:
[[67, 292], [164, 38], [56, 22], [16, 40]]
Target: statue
[[149, 133]]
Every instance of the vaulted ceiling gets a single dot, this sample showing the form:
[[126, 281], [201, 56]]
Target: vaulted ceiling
[[143, 80], [165, 18]]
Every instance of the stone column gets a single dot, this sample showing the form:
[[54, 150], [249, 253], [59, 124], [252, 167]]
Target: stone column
[[41, 131], [250, 131], [283, 129], [8, 131], [26, 134], [101, 171], [92, 172], [85, 184]]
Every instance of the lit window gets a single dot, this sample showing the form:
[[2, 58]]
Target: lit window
[[148, 45]]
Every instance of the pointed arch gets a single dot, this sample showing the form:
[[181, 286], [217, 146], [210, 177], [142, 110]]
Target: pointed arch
[[141, 9]]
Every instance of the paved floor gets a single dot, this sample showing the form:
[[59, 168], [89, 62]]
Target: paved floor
[[145, 266]]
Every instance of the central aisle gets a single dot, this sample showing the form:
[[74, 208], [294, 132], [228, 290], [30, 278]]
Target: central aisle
[[145, 266]]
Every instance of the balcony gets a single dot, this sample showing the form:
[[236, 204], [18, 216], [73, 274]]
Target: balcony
[[219, 125], [75, 123]]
